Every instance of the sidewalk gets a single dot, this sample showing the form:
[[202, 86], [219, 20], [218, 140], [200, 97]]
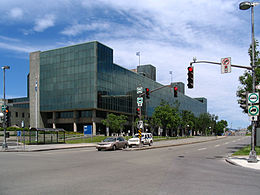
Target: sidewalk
[[242, 162], [46, 147]]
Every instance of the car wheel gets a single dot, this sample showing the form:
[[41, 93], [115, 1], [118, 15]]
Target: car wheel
[[125, 146], [99, 149], [114, 147], [150, 143], [130, 146]]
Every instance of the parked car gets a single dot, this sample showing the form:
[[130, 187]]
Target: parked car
[[147, 139], [112, 143]]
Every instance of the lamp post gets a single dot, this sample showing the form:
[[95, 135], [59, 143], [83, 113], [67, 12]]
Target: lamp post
[[4, 146], [244, 6]]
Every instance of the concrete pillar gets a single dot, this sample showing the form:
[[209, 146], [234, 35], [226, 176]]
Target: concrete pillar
[[94, 128], [75, 127], [54, 120], [74, 121]]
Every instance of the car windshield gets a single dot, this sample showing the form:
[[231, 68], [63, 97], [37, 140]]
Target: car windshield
[[110, 139]]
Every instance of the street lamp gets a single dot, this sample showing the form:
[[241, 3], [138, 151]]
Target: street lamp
[[244, 6], [4, 146]]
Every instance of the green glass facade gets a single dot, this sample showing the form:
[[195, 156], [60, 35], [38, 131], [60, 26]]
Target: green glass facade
[[67, 77], [80, 84]]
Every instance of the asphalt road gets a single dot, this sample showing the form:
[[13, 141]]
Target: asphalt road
[[188, 169]]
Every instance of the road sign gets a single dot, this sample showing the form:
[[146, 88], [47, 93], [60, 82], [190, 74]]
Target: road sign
[[140, 124], [139, 90], [226, 65], [253, 118], [139, 100], [253, 98], [3, 107], [253, 110], [87, 130]]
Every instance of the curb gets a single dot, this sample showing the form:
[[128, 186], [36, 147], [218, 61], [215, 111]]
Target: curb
[[45, 149], [171, 145], [232, 162]]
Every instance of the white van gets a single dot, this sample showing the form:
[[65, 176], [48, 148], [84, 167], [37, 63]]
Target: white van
[[147, 139]]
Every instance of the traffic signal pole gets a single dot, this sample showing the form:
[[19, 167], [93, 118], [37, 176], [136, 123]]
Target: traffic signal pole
[[4, 146], [252, 154], [217, 63]]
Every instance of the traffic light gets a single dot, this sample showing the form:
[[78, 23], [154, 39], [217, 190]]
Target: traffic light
[[190, 77], [175, 91], [147, 93], [137, 111], [7, 116], [243, 102]]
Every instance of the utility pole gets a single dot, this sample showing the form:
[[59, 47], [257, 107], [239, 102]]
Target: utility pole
[[4, 146]]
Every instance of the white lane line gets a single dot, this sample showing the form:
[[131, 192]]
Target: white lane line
[[226, 143], [202, 149], [234, 141], [217, 145]]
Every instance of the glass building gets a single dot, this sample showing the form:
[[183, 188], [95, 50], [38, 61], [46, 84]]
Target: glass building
[[79, 85]]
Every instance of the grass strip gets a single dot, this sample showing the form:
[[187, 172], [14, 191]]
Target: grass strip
[[246, 150]]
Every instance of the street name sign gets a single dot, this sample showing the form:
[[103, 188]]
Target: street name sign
[[253, 110], [253, 98]]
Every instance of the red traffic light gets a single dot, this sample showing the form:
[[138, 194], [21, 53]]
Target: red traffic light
[[190, 69], [137, 109], [175, 88], [147, 89]]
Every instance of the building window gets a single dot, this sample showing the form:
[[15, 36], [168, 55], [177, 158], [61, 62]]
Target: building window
[[16, 114], [23, 114]]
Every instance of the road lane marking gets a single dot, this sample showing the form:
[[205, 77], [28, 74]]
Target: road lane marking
[[202, 149], [227, 143], [234, 141], [217, 145]]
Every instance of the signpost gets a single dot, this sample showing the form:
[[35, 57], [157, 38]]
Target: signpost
[[88, 130]]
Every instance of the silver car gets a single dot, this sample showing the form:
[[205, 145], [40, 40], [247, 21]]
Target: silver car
[[112, 143]]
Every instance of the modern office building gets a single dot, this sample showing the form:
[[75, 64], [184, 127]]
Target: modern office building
[[79, 85]]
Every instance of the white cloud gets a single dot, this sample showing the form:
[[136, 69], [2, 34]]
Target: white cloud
[[16, 13], [42, 24], [77, 29]]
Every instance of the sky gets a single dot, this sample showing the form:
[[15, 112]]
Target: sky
[[167, 33]]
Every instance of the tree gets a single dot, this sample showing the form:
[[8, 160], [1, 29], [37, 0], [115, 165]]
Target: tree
[[203, 123], [187, 121], [220, 126], [246, 79], [114, 122], [167, 117]]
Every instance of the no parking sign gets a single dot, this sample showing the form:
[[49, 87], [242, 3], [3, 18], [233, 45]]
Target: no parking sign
[[226, 65]]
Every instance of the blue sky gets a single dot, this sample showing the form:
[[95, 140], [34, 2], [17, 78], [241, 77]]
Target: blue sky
[[168, 33]]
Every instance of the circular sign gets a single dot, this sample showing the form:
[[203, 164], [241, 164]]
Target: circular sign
[[253, 110], [225, 61], [253, 98]]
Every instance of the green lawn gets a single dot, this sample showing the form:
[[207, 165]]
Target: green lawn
[[246, 151], [96, 139]]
